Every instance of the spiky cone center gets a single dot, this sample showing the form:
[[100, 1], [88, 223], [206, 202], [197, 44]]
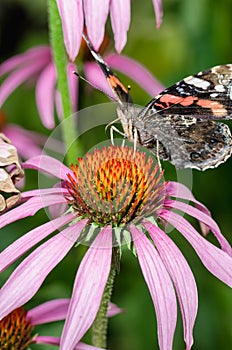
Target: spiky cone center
[[115, 185], [16, 331]]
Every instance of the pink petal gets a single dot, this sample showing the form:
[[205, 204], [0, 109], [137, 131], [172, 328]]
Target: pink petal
[[120, 21], [48, 165], [181, 275], [88, 288], [97, 79], [18, 77], [26, 58], [158, 12], [26, 146], [176, 189], [43, 192], [50, 311], [30, 239], [27, 278], [56, 341], [215, 260], [44, 94], [29, 208], [113, 310], [160, 287], [71, 14], [48, 340], [206, 219], [73, 85], [96, 13], [135, 71], [30, 143]]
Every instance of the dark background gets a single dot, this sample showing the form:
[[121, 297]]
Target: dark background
[[194, 36]]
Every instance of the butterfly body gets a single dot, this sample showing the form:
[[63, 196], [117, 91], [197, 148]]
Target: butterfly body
[[181, 123]]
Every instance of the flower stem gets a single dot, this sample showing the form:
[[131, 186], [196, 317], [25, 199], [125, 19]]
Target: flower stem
[[60, 61], [99, 328]]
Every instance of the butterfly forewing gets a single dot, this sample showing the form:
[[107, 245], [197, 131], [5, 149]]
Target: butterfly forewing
[[206, 95]]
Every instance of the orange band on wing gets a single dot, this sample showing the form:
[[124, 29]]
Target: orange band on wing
[[114, 82], [216, 107]]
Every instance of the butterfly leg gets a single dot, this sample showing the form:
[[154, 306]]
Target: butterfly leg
[[135, 140], [157, 155], [114, 129]]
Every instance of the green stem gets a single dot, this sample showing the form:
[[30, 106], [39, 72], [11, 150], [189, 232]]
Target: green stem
[[99, 328], [60, 61]]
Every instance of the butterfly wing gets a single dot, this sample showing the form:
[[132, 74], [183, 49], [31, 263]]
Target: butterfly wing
[[187, 142], [206, 95]]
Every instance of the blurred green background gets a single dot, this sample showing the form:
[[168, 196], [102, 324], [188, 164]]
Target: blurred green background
[[194, 36]]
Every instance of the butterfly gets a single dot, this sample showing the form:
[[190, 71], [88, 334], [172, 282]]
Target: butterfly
[[180, 124]]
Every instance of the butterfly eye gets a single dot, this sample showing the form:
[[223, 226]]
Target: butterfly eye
[[195, 155]]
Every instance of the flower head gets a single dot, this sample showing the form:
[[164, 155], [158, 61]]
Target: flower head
[[102, 185], [17, 329], [117, 190]]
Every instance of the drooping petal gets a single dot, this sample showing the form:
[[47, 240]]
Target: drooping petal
[[71, 14], [88, 289], [46, 339], [50, 311], [215, 260], [30, 239], [120, 21], [27, 278], [44, 94], [26, 58], [30, 143], [135, 71], [160, 287], [182, 278], [96, 13], [18, 77], [113, 310], [177, 189], [27, 147], [48, 165], [158, 12], [43, 192], [56, 341], [29, 208], [206, 219], [96, 77]]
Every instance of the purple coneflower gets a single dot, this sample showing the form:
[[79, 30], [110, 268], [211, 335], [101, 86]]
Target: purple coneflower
[[113, 195], [17, 329], [75, 14]]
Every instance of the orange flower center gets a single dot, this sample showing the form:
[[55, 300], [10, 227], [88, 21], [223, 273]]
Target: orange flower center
[[115, 186], [15, 331]]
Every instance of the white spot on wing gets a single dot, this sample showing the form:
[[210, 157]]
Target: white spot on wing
[[214, 95], [200, 83], [219, 88]]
